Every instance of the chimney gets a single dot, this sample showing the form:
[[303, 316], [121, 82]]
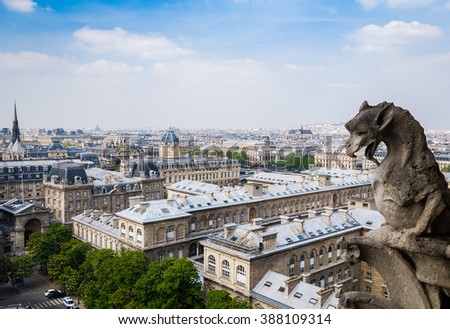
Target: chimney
[[327, 215], [228, 230], [343, 214], [312, 213], [227, 194], [298, 225], [324, 294], [143, 206], [268, 239], [96, 214], [284, 219], [257, 221], [171, 202], [254, 189], [325, 180], [134, 200], [291, 283]]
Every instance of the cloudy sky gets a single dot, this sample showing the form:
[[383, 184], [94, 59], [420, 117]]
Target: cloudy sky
[[221, 64]]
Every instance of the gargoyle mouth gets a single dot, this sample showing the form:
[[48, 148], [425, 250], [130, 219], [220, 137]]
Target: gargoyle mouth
[[370, 150]]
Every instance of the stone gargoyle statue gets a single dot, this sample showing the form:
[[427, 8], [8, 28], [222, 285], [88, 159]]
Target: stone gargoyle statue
[[413, 196]]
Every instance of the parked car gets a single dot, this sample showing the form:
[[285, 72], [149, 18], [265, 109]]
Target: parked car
[[68, 302], [74, 306], [55, 294]]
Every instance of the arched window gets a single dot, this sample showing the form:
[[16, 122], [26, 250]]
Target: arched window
[[226, 269], [139, 235], [339, 275], [123, 230], [169, 233], [241, 276], [227, 218], [338, 252], [330, 255], [242, 219], [311, 260], [321, 257], [322, 282], [235, 217], [193, 220], [212, 264], [291, 266], [130, 233], [302, 264], [330, 278]]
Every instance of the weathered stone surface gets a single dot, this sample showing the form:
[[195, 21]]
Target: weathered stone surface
[[413, 196]]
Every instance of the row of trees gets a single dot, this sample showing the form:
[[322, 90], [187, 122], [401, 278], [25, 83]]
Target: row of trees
[[126, 279], [293, 162]]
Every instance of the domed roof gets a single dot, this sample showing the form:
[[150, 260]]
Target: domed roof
[[56, 145], [170, 137]]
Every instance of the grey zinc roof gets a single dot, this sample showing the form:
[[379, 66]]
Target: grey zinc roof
[[15, 206], [303, 296], [152, 211]]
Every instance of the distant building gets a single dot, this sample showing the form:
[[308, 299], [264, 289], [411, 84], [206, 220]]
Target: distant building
[[15, 149], [299, 134]]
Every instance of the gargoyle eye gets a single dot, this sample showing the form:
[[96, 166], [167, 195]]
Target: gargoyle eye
[[359, 133]]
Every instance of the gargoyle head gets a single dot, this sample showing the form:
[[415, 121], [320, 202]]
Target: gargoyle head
[[366, 128]]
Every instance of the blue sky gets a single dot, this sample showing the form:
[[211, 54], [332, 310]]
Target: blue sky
[[221, 64]]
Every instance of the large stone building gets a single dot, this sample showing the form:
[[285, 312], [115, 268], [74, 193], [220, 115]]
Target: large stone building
[[70, 189], [304, 250], [175, 226], [24, 179]]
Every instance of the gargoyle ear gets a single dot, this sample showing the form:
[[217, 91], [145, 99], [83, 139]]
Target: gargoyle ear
[[364, 106], [384, 117]]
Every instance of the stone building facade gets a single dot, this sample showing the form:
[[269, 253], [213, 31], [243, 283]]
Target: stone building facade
[[175, 226], [70, 189], [306, 250], [18, 219]]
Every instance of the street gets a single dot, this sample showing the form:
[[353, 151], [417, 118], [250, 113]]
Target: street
[[30, 294]]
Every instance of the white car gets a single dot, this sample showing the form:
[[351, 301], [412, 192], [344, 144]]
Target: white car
[[49, 292], [68, 302]]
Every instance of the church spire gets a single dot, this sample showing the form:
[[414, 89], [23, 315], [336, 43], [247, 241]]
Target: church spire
[[15, 132]]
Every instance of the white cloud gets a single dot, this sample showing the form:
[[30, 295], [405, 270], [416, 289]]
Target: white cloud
[[370, 4], [123, 42], [23, 6], [105, 67], [304, 69], [27, 60], [375, 38]]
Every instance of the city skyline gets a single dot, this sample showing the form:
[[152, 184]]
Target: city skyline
[[220, 64]]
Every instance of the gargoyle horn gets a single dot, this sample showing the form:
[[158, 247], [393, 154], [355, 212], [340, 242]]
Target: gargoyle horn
[[364, 106]]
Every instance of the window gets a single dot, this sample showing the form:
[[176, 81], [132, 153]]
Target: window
[[169, 234], [212, 264], [241, 276], [139, 235], [302, 264], [322, 282], [193, 225], [291, 266], [311, 260], [369, 275], [130, 233], [331, 278], [330, 255], [298, 295], [338, 252], [321, 257], [226, 269]]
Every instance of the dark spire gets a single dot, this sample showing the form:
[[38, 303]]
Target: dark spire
[[15, 130]]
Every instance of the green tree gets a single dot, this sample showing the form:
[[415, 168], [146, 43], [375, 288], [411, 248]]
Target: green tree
[[110, 277], [221, 299], [171, 283], [23, 267], [6, 268], [42, 246]]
